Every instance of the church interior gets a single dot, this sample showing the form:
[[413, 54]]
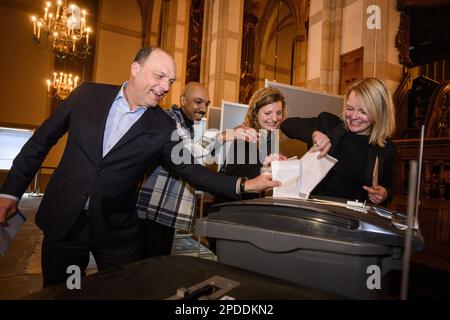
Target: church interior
[[233, 47]]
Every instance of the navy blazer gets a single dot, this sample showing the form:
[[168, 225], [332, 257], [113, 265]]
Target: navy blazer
[[109, 182]]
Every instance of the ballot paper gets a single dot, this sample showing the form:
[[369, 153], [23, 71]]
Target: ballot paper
[[288, 172], [9, 232], [299, 177]]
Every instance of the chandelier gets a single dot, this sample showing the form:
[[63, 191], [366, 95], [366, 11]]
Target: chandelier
[[61, 85], [66, 28]]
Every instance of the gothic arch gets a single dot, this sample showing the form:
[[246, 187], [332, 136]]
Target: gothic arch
[[266, 31]]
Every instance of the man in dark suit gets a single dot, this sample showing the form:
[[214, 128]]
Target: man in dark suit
[[114, 134]]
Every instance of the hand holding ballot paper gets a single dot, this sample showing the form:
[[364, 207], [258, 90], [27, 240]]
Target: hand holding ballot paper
[[299, 177]]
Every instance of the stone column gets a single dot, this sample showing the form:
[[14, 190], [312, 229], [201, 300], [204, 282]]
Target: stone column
[[300, 60], [174, 37], [325, 32], [221, 49]]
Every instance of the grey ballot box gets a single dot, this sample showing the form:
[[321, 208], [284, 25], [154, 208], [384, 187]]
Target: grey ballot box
[[314, 243]]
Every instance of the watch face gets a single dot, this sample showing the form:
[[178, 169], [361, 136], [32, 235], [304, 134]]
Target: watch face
[[242, 185]]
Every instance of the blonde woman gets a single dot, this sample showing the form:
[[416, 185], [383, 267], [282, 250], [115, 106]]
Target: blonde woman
[[359, 139]]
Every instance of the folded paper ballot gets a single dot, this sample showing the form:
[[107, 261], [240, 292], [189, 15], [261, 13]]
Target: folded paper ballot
[[288, 173], [299, 177], [9, 232]]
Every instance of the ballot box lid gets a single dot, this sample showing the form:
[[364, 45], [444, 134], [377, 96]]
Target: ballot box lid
[[159, 278], [329, 221]]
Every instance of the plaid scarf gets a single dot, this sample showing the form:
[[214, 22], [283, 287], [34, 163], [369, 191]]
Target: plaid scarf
[[164, 198]]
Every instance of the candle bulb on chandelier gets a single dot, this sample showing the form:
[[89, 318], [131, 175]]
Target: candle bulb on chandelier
[[76, 82], [39, 30], [45, 13], [83, 21], [57, 10], [72, 20], [34, 25], [74, 43], [48, 86], [50, 19], [87, 36]]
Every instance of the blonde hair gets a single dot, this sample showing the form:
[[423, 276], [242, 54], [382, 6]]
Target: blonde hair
[[377, 102], [259, 99]]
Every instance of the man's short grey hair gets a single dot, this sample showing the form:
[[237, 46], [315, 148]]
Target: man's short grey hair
[[143, 54]]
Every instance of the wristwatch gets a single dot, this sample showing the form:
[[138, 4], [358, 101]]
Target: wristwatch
[[242, 185]]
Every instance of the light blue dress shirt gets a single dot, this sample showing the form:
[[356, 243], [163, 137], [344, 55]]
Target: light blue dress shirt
[[119, 121]]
